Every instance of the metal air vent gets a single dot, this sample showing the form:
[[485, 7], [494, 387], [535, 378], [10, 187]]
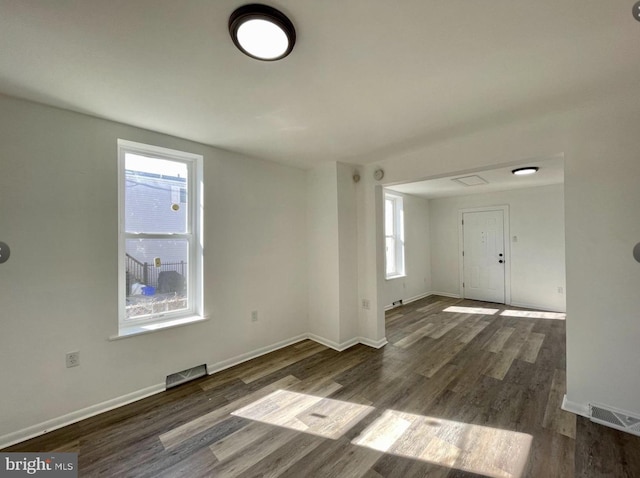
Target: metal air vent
[[615, 419], [179, 378]]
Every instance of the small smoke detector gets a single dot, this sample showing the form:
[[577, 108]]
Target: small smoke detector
[[473, 180]]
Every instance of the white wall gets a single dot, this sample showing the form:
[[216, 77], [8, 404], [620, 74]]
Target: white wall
[[417, 281], [333, 254], [537, 262], [322, 224], [348, 251], [58, 291], [601, 149], [58, 191]]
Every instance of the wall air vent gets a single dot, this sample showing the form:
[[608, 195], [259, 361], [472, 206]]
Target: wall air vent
[[615, 419], [179, 378]]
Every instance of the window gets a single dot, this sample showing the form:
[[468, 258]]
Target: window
[[394, 236], [160, 246]]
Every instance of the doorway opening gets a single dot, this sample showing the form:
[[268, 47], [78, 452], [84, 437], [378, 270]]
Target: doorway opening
[[518, 220]]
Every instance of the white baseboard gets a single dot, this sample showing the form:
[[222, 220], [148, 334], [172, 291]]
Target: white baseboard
[[376, 344], [446, 294], [409, 300], [333, 345], [238, 359], [575, 407], [417, 297], [73, 417]]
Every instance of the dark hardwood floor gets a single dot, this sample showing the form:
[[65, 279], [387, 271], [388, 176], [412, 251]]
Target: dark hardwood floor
[[461, 390]]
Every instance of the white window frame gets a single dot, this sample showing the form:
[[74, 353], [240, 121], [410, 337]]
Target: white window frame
[[193, 235], [398, 235]]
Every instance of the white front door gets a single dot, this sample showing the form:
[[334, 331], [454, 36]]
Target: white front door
[[483, 256]]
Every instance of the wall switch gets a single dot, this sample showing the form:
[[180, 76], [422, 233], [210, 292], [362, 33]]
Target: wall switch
[[254, 316], [73, 359], [560, 290], [515, 238], [365, 304]]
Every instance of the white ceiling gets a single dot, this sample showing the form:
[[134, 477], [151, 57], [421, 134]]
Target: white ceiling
[[366, 77], [551, 172]]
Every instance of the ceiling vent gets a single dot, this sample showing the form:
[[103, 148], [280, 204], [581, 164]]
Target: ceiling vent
[[474, 180]]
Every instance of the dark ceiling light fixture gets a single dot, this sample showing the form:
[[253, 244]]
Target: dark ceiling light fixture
[[262, 32], [525, 171]]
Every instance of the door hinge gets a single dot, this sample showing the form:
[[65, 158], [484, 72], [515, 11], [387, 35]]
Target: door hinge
[[463, 284], [463, 222], [462, 253]]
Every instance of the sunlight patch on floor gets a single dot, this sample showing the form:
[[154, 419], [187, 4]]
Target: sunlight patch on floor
[[482, 450], [477, 449], [471, 310], [534, 314], [306, 413]]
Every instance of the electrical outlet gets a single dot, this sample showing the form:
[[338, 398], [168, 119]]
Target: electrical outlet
[[254, 316], [73, 359]]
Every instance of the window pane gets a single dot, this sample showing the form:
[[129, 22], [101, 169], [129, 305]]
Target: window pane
[[155, 195], [156, 276], [388, 217], [391, 255]]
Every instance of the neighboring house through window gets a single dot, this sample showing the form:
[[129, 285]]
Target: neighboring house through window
[[394, 235], [160, 250]]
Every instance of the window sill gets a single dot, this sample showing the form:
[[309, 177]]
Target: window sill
[[399, 276], [141, 329]]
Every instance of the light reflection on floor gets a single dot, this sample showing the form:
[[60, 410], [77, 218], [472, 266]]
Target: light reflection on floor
[[478, 449], [471, 310], [306, 413], [529, 314], [534, 314]]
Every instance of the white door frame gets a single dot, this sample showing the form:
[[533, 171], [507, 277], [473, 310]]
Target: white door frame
[[507, 247]]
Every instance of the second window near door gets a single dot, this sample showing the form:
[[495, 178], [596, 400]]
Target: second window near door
[[394, 236]]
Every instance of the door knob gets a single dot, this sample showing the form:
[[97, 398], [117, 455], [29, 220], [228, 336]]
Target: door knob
[[500, 255], [500, 261]]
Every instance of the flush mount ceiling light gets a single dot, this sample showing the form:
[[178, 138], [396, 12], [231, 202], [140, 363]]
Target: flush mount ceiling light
[[525, 171], [262, 32]]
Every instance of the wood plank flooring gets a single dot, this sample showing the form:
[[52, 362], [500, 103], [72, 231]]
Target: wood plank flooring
[[463, 389]]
